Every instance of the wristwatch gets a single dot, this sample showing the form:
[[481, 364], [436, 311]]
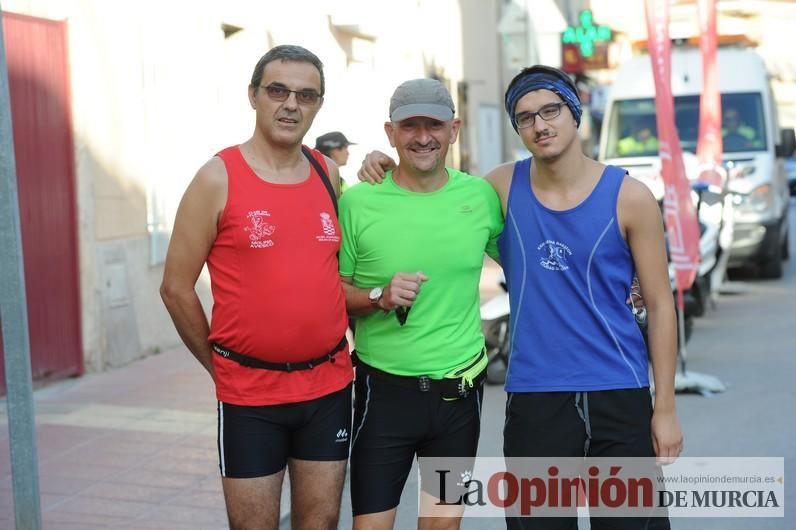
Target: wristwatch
[[375, 295]]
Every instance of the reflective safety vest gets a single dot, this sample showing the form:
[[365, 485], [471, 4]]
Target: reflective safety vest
[[630, 145]]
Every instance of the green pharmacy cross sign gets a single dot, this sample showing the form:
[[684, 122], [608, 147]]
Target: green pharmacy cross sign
[[586, 34]]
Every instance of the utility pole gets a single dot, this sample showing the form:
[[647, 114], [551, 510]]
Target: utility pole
[[14, 321]]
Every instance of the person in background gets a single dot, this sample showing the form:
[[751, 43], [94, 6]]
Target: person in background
[[642, 140], [737, 136]]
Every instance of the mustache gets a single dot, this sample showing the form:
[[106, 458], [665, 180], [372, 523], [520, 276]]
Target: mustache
[[432, 144], [544, 134]]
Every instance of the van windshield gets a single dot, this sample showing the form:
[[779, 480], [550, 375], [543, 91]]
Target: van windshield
[[632, 129]]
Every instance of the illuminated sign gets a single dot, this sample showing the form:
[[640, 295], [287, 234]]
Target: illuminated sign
[[586, 35]]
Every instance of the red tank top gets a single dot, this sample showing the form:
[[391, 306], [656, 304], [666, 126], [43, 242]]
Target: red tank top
[[276, 287]]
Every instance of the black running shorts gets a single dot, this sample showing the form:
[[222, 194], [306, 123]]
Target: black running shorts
[[606, 423], [257, 441], [393, 423]]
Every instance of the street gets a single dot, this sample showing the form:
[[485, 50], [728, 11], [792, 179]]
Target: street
[[749, 343]]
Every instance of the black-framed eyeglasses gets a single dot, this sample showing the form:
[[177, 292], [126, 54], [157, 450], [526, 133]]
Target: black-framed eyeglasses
[[524, 120], [281, 93]]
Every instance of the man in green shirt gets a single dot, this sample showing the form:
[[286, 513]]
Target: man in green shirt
[[412, 281]]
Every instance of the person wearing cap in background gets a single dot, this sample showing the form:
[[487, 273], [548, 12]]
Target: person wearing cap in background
[[578, 380], [412, 281], [334, 145]]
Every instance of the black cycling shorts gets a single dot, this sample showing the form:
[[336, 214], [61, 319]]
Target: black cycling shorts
[[393, 423], [605, 423], [257, 441]]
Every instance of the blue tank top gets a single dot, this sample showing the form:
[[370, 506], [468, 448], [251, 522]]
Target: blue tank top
[[569, 274]]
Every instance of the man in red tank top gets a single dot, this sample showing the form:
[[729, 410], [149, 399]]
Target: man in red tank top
[[262, 215]]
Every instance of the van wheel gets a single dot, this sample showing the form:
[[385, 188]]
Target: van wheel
[[771, 268], [786, 247]]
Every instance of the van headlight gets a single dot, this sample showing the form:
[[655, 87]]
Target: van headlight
[[759, 200]]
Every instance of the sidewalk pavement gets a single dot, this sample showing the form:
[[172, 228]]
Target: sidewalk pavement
[[131, 448]]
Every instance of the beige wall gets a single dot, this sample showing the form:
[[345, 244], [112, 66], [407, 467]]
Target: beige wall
[[482, 69], [157, 89]]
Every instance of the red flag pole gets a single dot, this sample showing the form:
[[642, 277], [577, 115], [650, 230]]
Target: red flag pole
[[679, 213], [709, 143]]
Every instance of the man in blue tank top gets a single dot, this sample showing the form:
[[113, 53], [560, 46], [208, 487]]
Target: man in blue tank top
[[576, 233]]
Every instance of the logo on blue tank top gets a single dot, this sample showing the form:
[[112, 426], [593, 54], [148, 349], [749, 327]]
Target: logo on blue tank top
[[553, 255]]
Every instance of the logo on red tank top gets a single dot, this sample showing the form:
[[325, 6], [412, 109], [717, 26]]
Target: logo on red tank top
[[259, 229], [329, 231]]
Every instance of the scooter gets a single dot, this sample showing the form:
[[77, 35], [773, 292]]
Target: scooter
[[495, 323], [715, 215]]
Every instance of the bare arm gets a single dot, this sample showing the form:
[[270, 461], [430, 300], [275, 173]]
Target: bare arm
[[374, 166], [641, 222], [400, 292], [195, 230]]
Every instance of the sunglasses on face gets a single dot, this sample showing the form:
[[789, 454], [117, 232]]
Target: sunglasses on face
[[547, 113], [281, 93]]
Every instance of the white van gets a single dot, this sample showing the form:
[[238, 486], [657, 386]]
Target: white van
[[754, 146]]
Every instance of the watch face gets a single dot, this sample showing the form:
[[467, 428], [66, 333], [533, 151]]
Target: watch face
[[375, 294]]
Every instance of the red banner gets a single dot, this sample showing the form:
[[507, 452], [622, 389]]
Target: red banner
[[709, 145], [679, 212]]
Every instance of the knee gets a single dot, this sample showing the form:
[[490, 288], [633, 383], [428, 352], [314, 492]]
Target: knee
[[243, 523], [316, 520]]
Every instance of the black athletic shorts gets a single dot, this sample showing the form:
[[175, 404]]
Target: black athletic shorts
[[395, 422], [606, 423], [257, 441]]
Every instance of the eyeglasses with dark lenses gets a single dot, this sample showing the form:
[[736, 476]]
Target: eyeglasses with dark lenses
[[547, 113], [281, 93]]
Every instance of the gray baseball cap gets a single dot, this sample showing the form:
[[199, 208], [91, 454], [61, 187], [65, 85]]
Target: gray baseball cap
[[421, 97]]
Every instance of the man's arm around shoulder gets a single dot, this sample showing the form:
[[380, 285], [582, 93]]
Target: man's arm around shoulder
[[641, 222], [195, 231]]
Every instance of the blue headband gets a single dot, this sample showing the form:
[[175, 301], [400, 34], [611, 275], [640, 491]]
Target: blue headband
[[538, 81]]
